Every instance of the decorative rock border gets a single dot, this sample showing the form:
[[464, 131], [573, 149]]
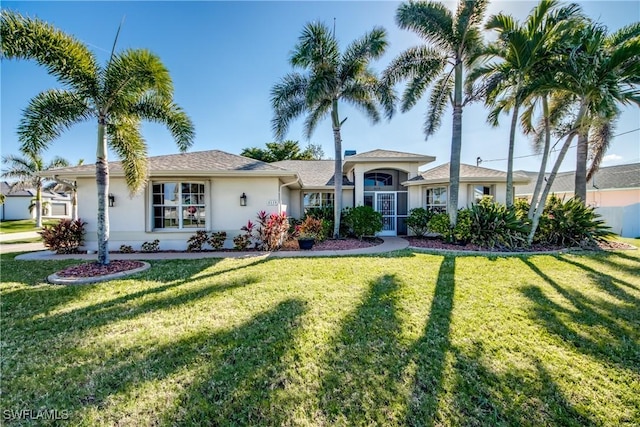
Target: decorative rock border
[[59, 280]]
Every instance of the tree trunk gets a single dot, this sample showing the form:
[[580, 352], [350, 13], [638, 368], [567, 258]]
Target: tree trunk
[[580, 190], [337, 171], [456, 146], [545, 157], [39, 205], [512, 143], [102, 180], [74, 201]]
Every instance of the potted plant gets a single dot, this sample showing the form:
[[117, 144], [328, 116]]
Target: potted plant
[[308, 232]]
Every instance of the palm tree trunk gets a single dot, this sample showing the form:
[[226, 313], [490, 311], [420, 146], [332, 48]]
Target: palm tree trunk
[[554, 172], [102, 180], [337, 172], [74, 201], [512, 143], [39, 205], [456, 146], [581, 165], [545, 157]]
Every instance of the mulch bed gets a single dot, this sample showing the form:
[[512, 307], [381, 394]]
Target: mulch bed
[[335, 244], [436, 243], [93, 269]]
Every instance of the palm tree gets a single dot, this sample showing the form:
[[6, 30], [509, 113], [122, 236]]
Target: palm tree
[[133, 86], [452, 42], [328, 78], [520, 51], [25, 170], [602, 71]]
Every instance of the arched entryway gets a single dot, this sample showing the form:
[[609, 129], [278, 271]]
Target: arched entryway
[[383, 192]]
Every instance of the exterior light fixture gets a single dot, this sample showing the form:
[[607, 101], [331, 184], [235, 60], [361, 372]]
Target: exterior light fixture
[[112, 200], [243, 200]]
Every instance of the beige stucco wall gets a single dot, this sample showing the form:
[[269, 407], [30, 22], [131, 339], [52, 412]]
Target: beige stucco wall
[[358, 171], [130, 219]]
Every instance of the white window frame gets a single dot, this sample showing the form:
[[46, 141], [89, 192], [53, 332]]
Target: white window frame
[[490, 187], [437, 207], [324, 199], [180, 207]]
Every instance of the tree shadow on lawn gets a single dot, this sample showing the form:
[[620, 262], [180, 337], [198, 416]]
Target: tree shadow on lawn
[[235, 374], [512, 396], [597, 328], [612, 260]]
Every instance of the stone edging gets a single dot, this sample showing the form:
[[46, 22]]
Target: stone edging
[[59, 280]]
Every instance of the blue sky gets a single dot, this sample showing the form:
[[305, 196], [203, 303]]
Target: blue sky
[[224, 57]]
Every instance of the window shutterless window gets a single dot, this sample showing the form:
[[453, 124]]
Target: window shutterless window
[[178, 205], [479, 191], [437, 199], [317, 200]]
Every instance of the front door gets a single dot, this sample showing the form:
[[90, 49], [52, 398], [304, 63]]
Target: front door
[[385, 203]]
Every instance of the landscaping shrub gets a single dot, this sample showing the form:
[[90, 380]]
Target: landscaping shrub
[[363, 221], [571, 223], [126, 249], [326, 215], [418, 221], [64, 237], [461, 233], [272, 231], [243, 241], [440, 223], [217, 239], [151, 246], [311, 228], [493, 224], [196, 241]]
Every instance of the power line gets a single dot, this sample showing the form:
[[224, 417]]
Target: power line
[[479, 160]]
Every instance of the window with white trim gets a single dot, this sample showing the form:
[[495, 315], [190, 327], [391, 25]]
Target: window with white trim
[[437, 199], [480, 191], [178, 205], [317, 200]]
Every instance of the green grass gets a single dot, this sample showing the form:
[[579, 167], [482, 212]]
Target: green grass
[[404, 339], [23, 225]]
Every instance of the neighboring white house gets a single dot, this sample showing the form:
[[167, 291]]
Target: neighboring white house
[[613, 190], [16, 204], [203, 191]]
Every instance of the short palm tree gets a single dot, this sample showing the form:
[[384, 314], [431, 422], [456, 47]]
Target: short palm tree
[[521, 51], [133, 86], [328, 78], [452, 42], [25, 170]]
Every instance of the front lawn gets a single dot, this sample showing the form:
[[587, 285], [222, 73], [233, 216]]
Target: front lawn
[[404, 339], [23, 225]]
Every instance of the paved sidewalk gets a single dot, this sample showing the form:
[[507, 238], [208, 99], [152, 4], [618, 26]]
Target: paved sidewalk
[[390, 244], [6, 237]]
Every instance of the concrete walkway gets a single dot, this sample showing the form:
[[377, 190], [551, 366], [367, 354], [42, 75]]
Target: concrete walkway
[[7, 237], [389, 244]]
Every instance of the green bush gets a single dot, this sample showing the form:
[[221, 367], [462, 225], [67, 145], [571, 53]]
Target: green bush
[[363, 221], [64, 237], [495, 225], [461, 233], [440, 223], [151, 246], [571, 223], [326, 215], [418, 221], [126, 249]]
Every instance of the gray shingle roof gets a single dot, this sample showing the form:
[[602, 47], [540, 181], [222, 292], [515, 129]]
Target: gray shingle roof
[[199, 161], [5, 188], [313, 173], [386, 154], [467, 173], [610, 177]]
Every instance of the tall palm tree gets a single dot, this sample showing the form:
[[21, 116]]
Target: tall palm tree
[[519, 52], [602, 71], [452, 41], [328, 78], [25, 170], [133, 86]]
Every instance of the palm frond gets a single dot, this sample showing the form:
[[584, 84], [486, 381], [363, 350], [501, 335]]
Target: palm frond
[[161, 110], [57, 162], [361, 51], [600, 136], [442, 88], [316, 45], [467, 37], [48, 114], [65, 57], [430, 20], [126, 141], [360, 94], [132, 74], [292, 86], [285, 114], [316, 114]]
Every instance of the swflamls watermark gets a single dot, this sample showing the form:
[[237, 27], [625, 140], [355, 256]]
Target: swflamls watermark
[[35, 414]]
